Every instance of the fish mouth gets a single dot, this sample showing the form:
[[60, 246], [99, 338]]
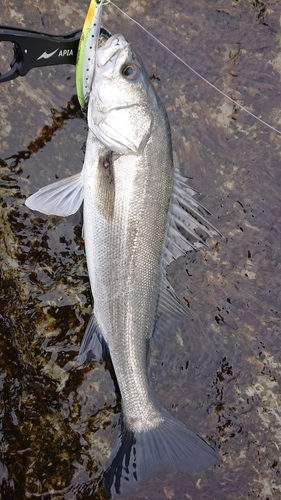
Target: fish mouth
[[108, 53]]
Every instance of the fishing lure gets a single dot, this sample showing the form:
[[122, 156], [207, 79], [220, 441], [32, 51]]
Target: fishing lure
[[86, 56]]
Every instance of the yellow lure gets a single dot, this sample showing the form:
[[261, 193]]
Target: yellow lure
[[86, 56]]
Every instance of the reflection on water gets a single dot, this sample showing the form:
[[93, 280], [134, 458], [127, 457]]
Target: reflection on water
[[219, 372]]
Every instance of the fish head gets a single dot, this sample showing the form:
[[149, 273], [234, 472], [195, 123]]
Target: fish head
[[123, 103]]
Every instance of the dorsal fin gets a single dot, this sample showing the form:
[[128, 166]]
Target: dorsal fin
[[187, 225], [187, 229]]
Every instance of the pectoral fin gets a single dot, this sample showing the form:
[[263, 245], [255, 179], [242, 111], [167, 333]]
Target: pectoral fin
[[60, 198]]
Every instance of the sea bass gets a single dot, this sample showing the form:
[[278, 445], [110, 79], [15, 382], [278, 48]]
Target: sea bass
[[139, 215]]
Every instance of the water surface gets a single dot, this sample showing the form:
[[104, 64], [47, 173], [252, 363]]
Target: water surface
[[220, 372]]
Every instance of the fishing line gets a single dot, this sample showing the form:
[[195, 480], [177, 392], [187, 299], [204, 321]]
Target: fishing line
[[193, 70]]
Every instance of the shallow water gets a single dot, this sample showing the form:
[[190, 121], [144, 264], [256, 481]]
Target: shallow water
[[220, 372]]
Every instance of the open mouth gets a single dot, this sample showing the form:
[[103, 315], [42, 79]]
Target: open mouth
[[109, 50], [104, 36]]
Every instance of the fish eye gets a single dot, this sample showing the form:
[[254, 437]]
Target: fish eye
[[130, 71]]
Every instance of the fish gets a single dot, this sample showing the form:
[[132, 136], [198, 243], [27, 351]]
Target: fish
[[139, 215]]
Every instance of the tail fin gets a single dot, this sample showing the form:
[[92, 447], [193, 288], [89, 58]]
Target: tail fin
[[137, 455]]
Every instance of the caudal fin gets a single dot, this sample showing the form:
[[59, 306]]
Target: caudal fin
[[137, 455]]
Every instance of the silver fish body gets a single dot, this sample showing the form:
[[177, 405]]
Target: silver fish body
[[139, 215], [126, 203]]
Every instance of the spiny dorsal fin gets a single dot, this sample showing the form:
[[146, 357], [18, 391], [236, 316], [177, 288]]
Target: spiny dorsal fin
[[187, 230], [187, 225]]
